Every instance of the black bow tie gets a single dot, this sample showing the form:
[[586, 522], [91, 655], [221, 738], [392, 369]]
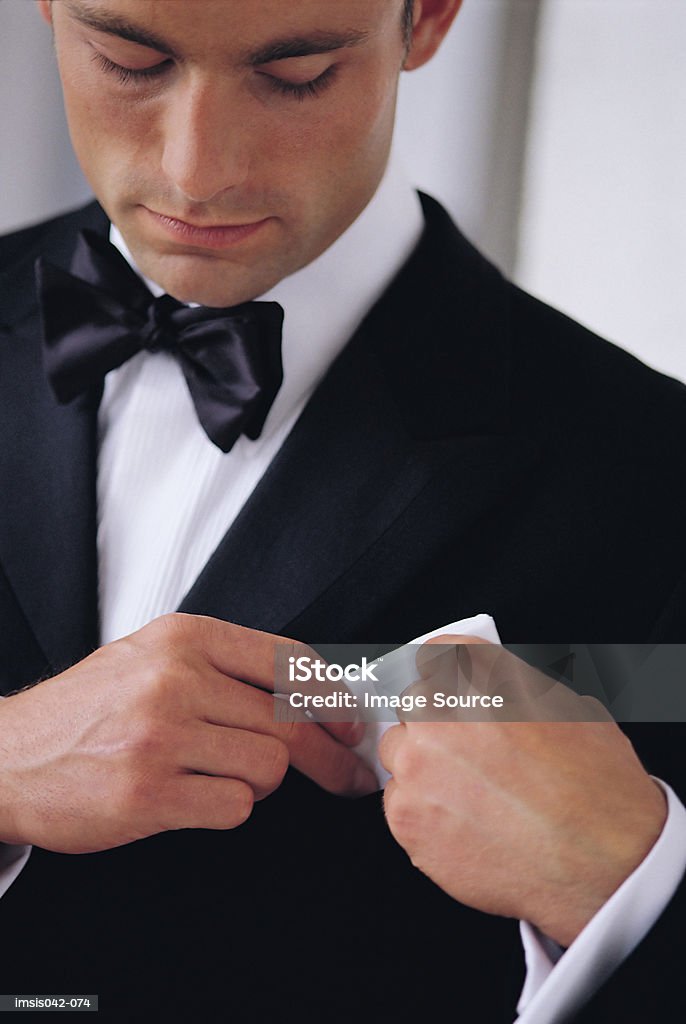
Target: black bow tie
[[101, 314]]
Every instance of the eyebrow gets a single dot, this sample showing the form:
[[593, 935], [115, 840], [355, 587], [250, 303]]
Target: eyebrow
[[306, 46], [114, 25], [280, 49]]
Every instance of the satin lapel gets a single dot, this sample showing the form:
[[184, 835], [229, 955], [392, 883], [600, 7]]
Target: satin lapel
[[417, 403], [349, 484], [47, 474]]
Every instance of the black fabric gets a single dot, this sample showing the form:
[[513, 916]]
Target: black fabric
[[101, 314], [470, 450]]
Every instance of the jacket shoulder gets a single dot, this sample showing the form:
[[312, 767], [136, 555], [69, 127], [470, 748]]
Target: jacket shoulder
[[54, 239], [568, 375], [19, 246], [555, 362]]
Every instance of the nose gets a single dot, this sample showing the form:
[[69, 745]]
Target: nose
[[204, 148]]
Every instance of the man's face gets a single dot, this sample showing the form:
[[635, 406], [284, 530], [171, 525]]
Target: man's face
[[231, 141]]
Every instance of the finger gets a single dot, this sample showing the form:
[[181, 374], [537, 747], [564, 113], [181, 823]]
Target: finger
[[595, 710], [236, 651], [304, 676], [438, 650], [481, 674], [422, 704], [389, 789], [527, 693], [482, 669], [201, 801], [258, 759], [232, 701], [389, 744], [270, 662], [331, 765], [312, 749]]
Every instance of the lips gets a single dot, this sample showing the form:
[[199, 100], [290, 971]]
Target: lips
[[211, 236]]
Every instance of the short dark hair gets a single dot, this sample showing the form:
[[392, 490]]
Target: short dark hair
[[407, 21]]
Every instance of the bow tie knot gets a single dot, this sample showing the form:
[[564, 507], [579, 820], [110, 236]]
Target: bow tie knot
[[156, 333], [101, 314]]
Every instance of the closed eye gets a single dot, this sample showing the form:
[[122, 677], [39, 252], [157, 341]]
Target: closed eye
[[296, 90], [129, 75], [303, 90]]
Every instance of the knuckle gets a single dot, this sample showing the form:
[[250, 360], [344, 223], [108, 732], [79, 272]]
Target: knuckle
[[276, 759], [408, 760], [156, 680], [596, 710], [401, 815], [289, 727], [163, 675], [145, 742], [170, 629], [208, 630], [384, 749], [388, 744]]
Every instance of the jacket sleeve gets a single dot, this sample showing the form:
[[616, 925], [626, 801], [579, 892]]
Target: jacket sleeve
[[650, 985]]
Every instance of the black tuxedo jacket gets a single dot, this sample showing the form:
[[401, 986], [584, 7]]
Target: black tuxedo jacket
[[470, 450]]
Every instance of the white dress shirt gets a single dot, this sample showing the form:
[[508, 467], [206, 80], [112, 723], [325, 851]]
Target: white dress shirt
[[166, 496]]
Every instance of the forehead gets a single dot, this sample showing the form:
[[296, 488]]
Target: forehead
[[237, 27]]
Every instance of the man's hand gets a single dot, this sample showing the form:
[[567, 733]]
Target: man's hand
[[541, 817], [172, 727]]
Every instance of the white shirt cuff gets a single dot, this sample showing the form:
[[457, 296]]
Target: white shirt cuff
[[558, 982], [12, 861]]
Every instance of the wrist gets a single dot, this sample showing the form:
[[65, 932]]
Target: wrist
[[9, 829], [609, 863], [10, 794]]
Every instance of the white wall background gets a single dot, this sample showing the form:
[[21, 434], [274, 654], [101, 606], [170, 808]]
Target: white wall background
[[39, 175], [603, 223], [554, 130]]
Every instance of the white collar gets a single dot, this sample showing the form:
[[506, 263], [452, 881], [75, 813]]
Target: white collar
[[327, 300]]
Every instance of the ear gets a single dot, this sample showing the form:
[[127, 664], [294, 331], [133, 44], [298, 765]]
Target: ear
[[45, 8], [432, 19]]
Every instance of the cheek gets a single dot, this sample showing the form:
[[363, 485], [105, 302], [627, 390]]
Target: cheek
[[352, 133], [101, 124]]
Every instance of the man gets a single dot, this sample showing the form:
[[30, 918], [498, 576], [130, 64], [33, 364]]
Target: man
[[440, 444]]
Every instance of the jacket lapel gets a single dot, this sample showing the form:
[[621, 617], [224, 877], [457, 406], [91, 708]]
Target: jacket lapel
[[366, 480], [365, 483], [47, 465]]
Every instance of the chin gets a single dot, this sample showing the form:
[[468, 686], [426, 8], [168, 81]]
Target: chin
[[198, 279]]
